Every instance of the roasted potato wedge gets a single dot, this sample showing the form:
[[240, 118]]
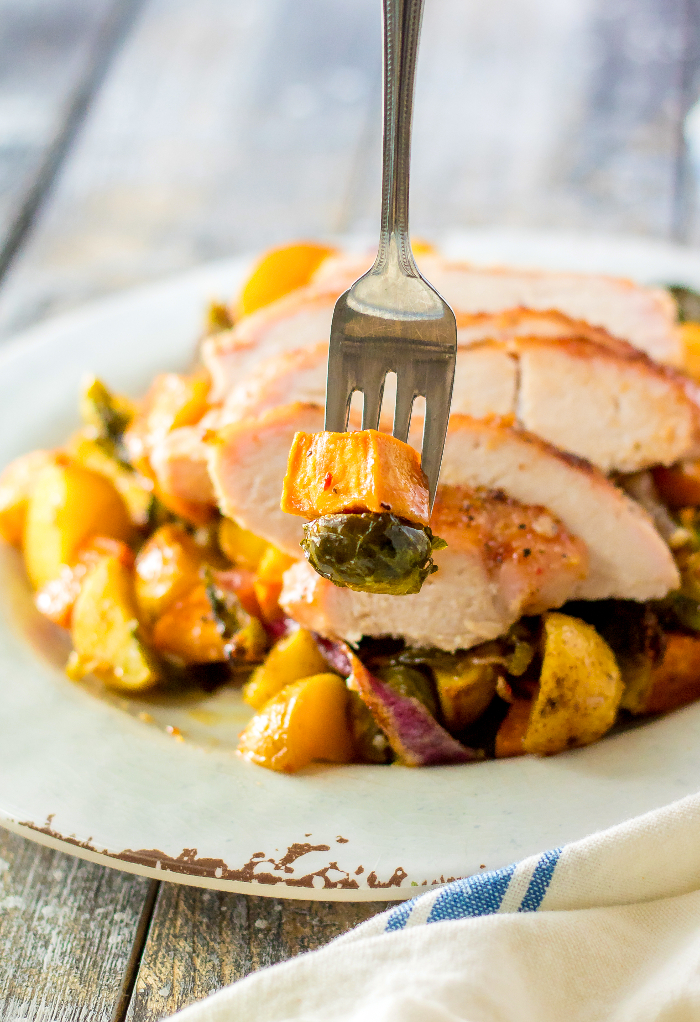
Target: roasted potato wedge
[[580, 688], [68, 505], [57, 598], [136, 490], [243, 548], [105, 630], [304, 722], [16, 484]]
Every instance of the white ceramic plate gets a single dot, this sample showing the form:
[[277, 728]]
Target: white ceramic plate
[[82, 772]]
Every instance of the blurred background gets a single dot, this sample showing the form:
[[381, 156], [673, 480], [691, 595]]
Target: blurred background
[[141, 137]]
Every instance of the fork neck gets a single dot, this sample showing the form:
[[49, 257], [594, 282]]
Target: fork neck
[[402, 21]]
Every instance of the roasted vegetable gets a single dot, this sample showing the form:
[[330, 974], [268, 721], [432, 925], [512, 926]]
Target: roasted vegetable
[[409, 682], [633, 632], [218, 318], [268, 581], [243, 548], [16, 485], [370, 743], [167, 567], [295, 656], [57, 598], [580, 688], [510, 736], [173, 400], [208, 626], [690, 336], [331, 473], [135, 490], [280, 271], [105, 631], [245, 638], [107, 414], [679, 485], [687, 302], [413, 733], [68, 505], [372, 553], [675, 678], [306, 721], [465, 689]]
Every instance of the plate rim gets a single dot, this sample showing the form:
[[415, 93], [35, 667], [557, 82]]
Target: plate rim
[[47, 331]]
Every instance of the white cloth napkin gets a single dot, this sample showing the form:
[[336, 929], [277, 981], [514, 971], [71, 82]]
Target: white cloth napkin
[[607, 928]]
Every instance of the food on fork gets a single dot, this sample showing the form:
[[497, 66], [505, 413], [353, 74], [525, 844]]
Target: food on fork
[[566, 601], [367, 498]]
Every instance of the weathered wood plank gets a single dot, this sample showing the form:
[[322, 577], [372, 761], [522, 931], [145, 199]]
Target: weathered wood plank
[[200, 941], [224, 125], [52, 53], [552, 114], [67, 929], [227, 126]]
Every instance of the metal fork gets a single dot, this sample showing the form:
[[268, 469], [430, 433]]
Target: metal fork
[[391, 319]]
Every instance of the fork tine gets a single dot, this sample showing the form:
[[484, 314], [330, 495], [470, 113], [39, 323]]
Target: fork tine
[[374, 394], [438, 398], [339, 391], [405, 396]]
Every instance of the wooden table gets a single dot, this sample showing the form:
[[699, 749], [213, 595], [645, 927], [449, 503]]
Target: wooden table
[[140, 137]]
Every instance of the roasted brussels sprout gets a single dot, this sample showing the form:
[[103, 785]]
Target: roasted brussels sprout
[[107, 414], [409, 681], [370, 552], [688, 302], [371, 744]]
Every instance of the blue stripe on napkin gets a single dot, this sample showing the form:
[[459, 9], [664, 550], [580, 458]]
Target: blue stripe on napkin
[[541, 878], [478, 895]]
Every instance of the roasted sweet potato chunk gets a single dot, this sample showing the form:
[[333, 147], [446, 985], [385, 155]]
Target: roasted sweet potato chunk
[[679, 485], [675, 680], [167, 567], [511, 734], [294, 657], [280, 271], [268, 582], [331, 473]]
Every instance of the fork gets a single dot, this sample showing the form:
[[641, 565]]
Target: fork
[[391, 319]]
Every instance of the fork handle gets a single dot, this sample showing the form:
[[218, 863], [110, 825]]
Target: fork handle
[[402, 21]]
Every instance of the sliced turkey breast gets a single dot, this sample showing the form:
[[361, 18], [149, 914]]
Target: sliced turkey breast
[[610, 405], [618, 409], [247, 464], [628, 558], [643, 316], [298, 375], [180, 463], [301, 319], [503, 560]]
